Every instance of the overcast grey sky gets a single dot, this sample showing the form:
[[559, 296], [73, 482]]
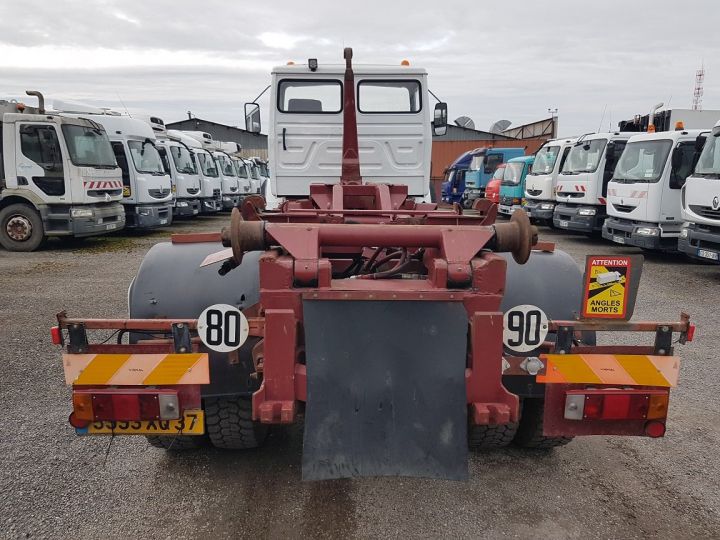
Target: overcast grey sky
[[488, 60]]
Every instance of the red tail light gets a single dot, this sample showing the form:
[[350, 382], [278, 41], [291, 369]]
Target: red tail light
[[56, 335], [616, 404], [654, 429], [120, 405]]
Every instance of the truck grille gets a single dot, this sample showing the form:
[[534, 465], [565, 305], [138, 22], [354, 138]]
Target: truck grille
[[159, 193], [217, 195], [571, 194], [705, 211], [193, 191], [623, 207], [534, 192], [103, 192]]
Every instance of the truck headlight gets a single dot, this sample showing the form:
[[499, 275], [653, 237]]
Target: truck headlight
[[547, 206], [684, 232], [144, 212], [181, 204], [587, 212], [82, 212], [647, 231]]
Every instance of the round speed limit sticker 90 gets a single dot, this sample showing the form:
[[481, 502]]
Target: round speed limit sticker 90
[[525, 327], [223, 328]]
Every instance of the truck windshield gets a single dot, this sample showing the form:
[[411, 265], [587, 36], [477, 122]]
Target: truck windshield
[[476, 163], [499, 173], [263, 169], [255, 173], [545, 160], [183, 160], [226, 165], [207, 164], [146, 157], [242, 171], [513, 174], [585, 157], [89, 146], [709, 162], [643, 161]]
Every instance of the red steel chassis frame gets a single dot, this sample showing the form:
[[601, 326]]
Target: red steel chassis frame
[[307, 239]]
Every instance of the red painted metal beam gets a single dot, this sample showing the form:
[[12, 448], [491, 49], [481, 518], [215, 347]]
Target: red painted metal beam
[[351, 155]]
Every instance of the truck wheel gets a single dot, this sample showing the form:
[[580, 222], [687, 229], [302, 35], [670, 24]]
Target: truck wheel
[[21, 228], [530, 432], [488, 437], [177, 443], [230, 425]]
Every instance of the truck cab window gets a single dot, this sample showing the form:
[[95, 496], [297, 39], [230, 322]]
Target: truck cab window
[[389, 96], [164, 159], [309, 97], [491, 162], [41, 145], [687, 153], [122, 161]]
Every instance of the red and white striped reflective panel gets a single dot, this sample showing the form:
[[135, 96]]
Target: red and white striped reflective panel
[[620, 369], [103, 184]]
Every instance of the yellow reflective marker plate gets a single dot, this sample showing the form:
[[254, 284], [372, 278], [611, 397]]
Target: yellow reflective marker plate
[[193, 423]]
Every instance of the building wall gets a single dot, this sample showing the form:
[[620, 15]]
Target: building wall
[[253, 144]]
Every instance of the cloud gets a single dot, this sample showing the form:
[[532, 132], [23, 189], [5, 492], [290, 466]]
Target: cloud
[[488, 60]]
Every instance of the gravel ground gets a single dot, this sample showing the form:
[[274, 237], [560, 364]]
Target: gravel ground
[[54, 484]]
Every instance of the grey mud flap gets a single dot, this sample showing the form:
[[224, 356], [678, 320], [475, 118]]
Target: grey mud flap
[[385, 389]]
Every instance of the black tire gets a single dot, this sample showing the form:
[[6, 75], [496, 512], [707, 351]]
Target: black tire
[[230, 425], [489, 437], [530, 432], [177, 443], [26, 218]]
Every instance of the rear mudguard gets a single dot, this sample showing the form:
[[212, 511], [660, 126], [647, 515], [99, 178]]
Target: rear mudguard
[[171, 284]]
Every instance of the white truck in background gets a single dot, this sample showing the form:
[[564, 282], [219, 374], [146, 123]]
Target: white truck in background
[[58, 177], [229, 190], [147, 188], [700, 235], [643, 197], [262, 168], [178, 161], [210, 183], [541, 181], [581, 192]]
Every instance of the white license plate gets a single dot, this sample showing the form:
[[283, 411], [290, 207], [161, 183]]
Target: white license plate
[[163, 221], [564, 224], [707, 254], [195, 211], [619, 239], [111, 226]]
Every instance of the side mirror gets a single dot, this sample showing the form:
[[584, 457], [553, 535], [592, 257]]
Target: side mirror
[[440, 119], [252, 117], [676, 159], [700, 143]]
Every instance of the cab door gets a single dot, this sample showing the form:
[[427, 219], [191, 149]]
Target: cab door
[[307, 138], [39, 162]]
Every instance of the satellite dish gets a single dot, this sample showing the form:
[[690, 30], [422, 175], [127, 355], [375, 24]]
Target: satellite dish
[[464, 121], [500, 126]]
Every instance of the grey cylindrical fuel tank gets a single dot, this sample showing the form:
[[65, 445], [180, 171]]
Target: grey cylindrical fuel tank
[[171, 284]]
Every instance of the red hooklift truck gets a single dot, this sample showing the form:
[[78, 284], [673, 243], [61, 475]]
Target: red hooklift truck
[[399, 333]]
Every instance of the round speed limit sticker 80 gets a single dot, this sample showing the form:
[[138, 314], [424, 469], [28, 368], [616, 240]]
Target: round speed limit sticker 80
[[525, 327], [223, 328]]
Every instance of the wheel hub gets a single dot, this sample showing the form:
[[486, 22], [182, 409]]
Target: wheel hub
[[19, 228]]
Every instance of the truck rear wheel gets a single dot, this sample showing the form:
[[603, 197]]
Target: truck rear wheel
[[230, 425], [177, 443], [530, 431], [488, 437], [21, 228]]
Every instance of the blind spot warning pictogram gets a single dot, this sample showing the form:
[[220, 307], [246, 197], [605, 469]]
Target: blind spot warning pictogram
[[606, 287]]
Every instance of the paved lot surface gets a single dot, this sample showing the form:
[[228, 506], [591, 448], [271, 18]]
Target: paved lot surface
[[54, 484]]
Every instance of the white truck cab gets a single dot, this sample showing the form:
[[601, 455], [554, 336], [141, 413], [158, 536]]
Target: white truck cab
[[643, 197], [305, 138], [210, 183], [261, 166], [58, 177], [228, 176], [581, 192], [541, 181], [147, 188], [180, 165], [700, 236]]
